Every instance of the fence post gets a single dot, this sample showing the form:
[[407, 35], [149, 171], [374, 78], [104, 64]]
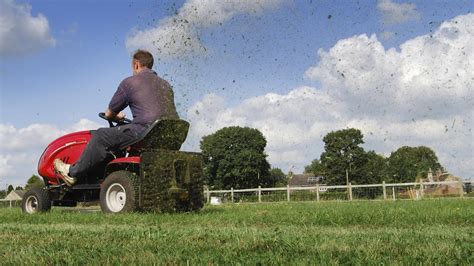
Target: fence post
[[393, 193], [317, 192], [421, 189], [232, 194], [259, 193], [288, 192], [350, 190], [384, 190], [208, 195], [461, 189]]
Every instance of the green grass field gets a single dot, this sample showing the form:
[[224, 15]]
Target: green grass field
[[402, 232]]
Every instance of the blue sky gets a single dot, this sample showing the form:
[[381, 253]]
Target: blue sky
[[248, 54]]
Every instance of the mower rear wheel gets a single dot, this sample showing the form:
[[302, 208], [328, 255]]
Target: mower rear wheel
[[117, 193], [36, 200]]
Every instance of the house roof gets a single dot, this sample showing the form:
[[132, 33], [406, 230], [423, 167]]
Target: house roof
[[15, 195], [303, 180]]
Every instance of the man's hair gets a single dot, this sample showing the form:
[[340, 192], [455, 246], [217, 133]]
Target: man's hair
[[144, 58]]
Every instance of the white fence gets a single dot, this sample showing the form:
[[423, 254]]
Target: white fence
[[384, 191], [10, 203]]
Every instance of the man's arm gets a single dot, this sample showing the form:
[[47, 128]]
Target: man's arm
[[118, 102]]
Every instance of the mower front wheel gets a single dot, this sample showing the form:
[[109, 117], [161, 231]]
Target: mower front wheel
[[36, 200], [118, 193]]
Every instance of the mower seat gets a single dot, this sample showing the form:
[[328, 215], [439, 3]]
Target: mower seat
[[168, 134]]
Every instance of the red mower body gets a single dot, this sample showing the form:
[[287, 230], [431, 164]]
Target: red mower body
[[69, 148]]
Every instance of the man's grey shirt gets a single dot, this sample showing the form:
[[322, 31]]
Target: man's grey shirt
[[149, 97]]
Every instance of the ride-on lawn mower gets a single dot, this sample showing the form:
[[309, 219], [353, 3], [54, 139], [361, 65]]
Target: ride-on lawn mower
[[150, 174]]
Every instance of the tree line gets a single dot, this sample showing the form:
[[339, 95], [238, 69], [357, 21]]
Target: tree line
[[345, 160], [33, 181], [235, 157]]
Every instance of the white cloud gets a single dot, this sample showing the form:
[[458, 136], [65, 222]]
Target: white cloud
[[394, 13], [34, 135], [356, 69], [396, 98], [83, 124], [178, 35], [4, 165], [431, 75], [292, 114], [291, 123], [20, 31], [20, 148]]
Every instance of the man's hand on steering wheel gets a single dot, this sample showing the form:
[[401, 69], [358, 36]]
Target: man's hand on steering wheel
[[120, 116], [111, 117]]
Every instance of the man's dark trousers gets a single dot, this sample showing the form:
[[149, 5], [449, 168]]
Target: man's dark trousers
[[103, 142]]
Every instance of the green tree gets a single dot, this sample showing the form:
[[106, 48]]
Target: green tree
[[278, 178], [408, 163], [34, 181], [316, 168], [375, 169], [373, 172], [19, 188], [10, 189], [342, 153], [235, 157]]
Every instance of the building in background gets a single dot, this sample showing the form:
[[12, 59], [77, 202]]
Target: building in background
[[305, 180]]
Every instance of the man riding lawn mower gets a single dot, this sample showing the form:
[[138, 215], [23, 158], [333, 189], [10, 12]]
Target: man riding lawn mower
[[132, 165]]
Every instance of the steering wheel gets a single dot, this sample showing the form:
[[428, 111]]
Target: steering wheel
[[125, 121]]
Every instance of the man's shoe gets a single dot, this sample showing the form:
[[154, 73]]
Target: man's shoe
[[63, 170]]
